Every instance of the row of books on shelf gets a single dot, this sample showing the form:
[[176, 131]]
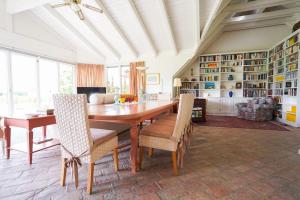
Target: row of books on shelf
[[228, 69], [255, 55], [255, 77], [209, 70], [255, 62], [292, 67], [291, 75], [292, 41], [209, 65], [209, 78], [290, 92], [292, 58], [279, 63], [210, 58], [292, 50], [254, 93], [259, 68], [255, 85], [278, 92], [232, 57], [232, 63]]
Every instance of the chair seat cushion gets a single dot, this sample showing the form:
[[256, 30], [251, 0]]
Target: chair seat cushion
[[102, 135], [158, 130]]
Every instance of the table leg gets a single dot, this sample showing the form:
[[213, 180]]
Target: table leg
[[7, 133], [134, 147], [45, 132], [30, 145]]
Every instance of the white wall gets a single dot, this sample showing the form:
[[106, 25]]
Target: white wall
[[247, 40], [25, 32]]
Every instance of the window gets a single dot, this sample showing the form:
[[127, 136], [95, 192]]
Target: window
[[66, 72], [24, 81], [113, 79], [27, 83], [48, 78], [4, 107], [118, 77], [125, 85]]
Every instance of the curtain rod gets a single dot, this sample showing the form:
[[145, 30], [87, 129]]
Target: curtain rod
[[34, 54]]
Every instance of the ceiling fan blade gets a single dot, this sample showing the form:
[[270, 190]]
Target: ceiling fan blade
[[80, 14], [60, 5], [92, 8]]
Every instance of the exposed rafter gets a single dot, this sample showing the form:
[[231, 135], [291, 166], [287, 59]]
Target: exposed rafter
[[263, 16], [198, 25], [92, 28], [167, 24], [143, 26], [16, 6], [117, 28], [70, 28], [253, 5], [258, 24]]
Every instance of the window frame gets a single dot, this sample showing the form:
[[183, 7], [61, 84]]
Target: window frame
[[120, 66], [9, 85]]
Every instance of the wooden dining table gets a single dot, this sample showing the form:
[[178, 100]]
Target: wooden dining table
[[132, 114]]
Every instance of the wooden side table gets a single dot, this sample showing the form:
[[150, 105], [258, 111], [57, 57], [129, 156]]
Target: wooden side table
[[199, 110], [29, 124]]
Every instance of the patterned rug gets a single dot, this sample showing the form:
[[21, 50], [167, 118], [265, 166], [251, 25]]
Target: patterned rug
[[234, 122]]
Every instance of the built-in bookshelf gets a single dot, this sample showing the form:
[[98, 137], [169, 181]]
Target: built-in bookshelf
[[242, 75], [228, 75], [284, 58]]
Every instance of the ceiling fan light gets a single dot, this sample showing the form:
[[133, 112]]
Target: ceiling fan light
[[75, 7]]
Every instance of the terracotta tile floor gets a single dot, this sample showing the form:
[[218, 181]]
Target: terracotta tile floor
[[222, 163]]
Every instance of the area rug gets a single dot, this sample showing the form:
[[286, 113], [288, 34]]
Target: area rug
[[234, 122]]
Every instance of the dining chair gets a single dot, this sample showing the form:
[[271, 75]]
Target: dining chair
[[166, 137], [79, 142]]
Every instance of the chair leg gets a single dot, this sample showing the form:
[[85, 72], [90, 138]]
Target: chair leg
[[116, 159], [150, 152], [174, 159], [75, 171], [141, 156], [90, 178], [63, 173]]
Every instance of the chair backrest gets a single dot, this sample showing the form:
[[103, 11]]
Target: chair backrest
[[186, 103], [72, 121]]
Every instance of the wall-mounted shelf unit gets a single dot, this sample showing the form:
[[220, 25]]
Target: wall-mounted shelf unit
[[244, 75]]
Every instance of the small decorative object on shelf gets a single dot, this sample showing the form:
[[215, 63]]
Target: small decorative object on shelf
[[230, 94]]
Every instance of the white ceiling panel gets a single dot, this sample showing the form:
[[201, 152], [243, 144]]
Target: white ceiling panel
[[182, 17]]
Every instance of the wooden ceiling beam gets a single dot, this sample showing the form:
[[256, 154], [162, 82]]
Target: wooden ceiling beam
[[107, 14], [143, 26], [167, 24]]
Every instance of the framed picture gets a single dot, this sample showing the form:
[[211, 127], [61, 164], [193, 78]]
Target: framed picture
[[152, 79], [238, 85]]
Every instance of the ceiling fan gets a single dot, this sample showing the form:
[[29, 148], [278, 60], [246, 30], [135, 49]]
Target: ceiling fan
[[75, 6]]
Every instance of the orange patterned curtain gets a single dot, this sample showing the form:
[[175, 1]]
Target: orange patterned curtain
[[90, 75], [137, 78]]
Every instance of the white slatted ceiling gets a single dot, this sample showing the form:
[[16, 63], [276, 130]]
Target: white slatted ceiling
[[73, 19], [206, 8], [123, 15], [182, 17], [154, 23]]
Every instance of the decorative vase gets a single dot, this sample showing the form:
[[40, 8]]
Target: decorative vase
[[117, 95], [230, 94]]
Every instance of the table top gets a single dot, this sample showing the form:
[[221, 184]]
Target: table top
[[110, 111], [115, 111]]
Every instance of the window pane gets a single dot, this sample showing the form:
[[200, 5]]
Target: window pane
[[125, 80], [113, 79], [48, 82], [66, 78], [24, 83], [3, 83]]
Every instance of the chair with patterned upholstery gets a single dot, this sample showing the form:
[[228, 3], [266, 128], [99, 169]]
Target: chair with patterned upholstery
[[79, 142], [168, 137]]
